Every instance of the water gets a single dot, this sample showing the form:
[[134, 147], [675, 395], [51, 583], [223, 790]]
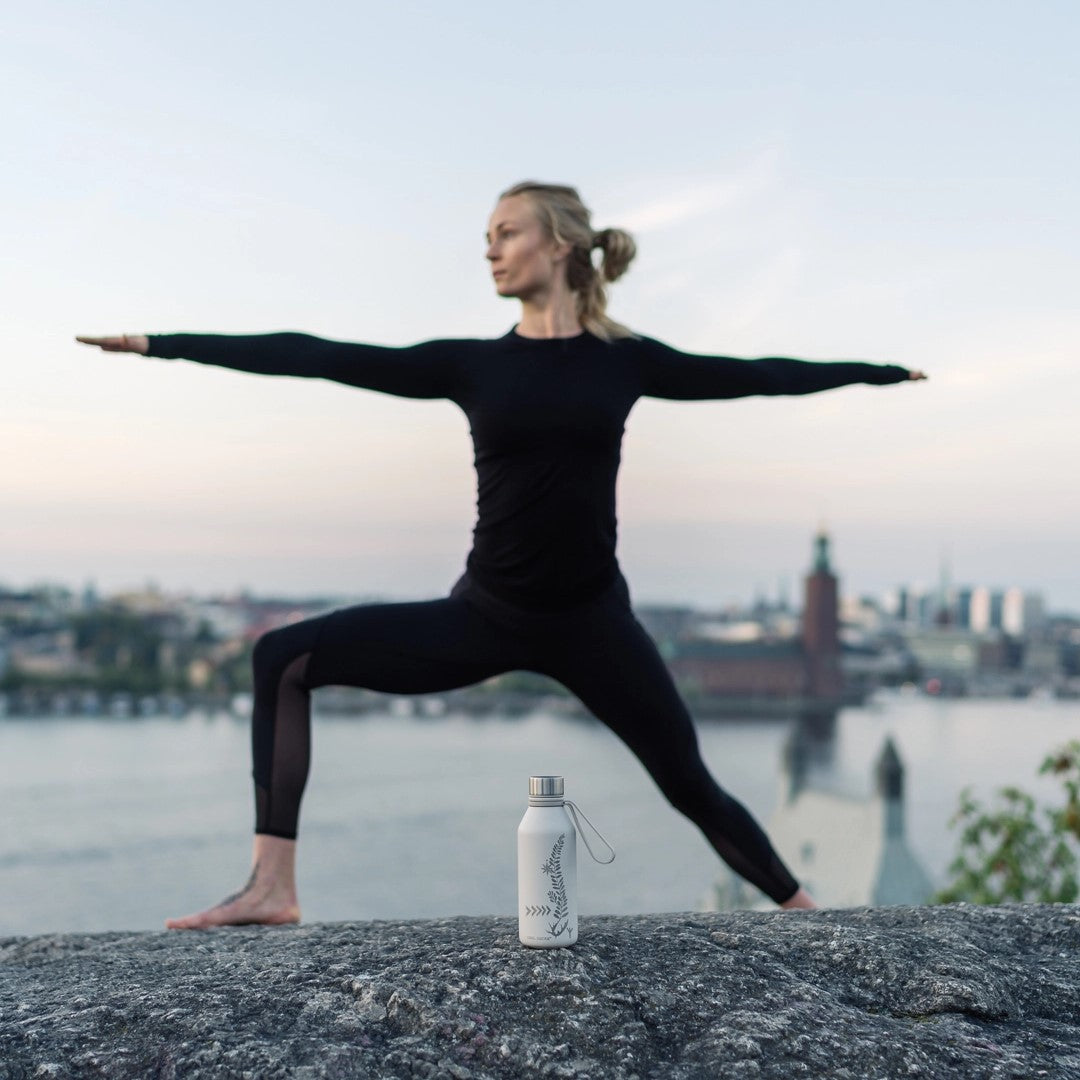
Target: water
[[117, 824]]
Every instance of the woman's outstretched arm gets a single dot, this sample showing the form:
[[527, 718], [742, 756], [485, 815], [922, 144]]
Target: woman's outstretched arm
[[428, 370], [681, 376]]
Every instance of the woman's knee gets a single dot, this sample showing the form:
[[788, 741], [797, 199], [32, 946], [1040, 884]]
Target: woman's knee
[[277, 649], [691, 790]]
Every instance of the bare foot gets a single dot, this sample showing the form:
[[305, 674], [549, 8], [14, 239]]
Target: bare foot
[[801, 901], [267, 903]]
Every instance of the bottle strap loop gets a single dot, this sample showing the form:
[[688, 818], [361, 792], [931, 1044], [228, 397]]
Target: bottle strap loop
[[574, 811]]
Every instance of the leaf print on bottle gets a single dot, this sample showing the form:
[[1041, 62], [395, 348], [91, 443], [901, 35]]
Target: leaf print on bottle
[[557, 893]]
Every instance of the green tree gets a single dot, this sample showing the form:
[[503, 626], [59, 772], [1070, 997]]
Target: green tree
[[1014, 850]]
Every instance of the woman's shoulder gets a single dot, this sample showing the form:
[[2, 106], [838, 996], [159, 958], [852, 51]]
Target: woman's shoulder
[[640, 348], [633, 342]]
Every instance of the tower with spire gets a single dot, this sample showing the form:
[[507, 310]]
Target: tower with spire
[[821, 627], [848, 849]]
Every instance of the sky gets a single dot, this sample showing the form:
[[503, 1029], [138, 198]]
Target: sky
[[834, 180]]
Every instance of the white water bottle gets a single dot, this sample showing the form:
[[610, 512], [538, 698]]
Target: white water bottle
[[547, 866]]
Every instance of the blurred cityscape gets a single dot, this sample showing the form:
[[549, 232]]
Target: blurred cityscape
[[147, 652]]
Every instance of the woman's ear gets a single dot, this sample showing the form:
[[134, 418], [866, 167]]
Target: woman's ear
[[561, 252]]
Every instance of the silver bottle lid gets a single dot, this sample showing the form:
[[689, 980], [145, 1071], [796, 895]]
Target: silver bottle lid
[[546, 787]]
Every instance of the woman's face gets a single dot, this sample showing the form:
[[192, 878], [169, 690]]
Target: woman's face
[[524, 261]]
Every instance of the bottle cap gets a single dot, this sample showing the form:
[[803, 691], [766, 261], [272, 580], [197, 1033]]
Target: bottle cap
[[546, 787]]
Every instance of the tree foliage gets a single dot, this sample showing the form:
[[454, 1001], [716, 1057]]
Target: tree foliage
[[1014, 850]]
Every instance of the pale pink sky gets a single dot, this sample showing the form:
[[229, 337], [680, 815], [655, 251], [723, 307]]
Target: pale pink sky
[[827, 186]]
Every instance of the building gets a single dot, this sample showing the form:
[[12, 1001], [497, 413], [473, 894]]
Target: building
[[770, 675], [995, 642], [849, 851]]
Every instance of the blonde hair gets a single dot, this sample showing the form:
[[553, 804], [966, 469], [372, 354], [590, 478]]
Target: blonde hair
[[565, 219]]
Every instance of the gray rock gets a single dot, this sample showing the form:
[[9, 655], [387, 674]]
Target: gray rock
[[944, 992]]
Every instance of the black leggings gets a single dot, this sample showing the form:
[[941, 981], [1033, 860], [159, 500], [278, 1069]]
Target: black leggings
[[598, 651]]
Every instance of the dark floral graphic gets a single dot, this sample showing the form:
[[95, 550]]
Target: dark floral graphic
[[560, 923]]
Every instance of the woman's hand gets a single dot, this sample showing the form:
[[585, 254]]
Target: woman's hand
[[136, 343], [913, 376]]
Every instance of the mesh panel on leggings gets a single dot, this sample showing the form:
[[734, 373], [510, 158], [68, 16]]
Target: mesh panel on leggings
[[292, 750], [280, 725]]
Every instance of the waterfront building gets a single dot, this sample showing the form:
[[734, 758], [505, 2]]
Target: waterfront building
[[1021, 613], [1042, 661], [997, 610], [769, 674], [996, 641], [979, 615], [946, 651], [849, 851], [821, 628]]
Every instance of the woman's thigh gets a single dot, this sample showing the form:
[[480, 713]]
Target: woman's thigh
[[412, 648], [614, 667]]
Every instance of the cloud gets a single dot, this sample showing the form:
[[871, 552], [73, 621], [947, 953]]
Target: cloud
[[680, 207], [702, 198]]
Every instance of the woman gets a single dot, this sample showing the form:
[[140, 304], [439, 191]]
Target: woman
[[542, 589]]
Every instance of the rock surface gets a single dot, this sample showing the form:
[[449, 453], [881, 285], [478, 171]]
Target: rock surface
[[890, 992]]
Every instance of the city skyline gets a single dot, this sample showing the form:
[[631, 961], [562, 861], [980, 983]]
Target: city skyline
[[977, 605], [829, 184]]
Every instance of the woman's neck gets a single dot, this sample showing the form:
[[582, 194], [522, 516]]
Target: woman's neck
[[551, 316]]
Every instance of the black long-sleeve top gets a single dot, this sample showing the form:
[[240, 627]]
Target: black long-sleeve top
[[547, 418]]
